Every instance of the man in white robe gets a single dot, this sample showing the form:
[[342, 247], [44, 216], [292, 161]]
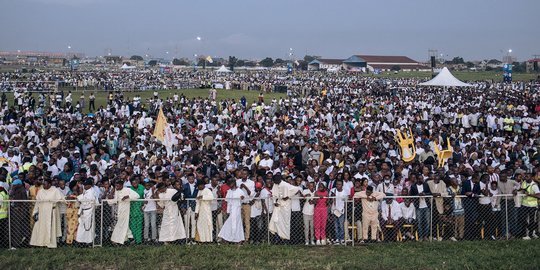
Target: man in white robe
[[122, 197], [88, 201], [172, 227], [47, 227], [203, 213], [280, 222], [233, 229]]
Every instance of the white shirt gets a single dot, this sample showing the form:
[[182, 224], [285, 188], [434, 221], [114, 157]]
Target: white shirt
[[422, 203], [150, 205], [250, 185], [266, 163], [408, 212], [308, 208], [395, 210], [256, 208]]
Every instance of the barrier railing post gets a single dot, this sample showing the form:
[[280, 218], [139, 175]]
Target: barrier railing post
[[506, 215], [354, 232], [9, 224], [431, 220], [101, 225]]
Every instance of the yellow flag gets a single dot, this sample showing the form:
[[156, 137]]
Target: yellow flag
[[161, 123]]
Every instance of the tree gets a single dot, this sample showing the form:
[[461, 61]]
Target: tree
[[240, 63], [136, 58], [309, 58], [279, 61], [267, 62], [519, 67], [180, 62], [395, 68], [232, 62], [458, 60], [469, 64], [152, 63]]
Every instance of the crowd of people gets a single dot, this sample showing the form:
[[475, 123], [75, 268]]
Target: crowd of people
[[320, 168]]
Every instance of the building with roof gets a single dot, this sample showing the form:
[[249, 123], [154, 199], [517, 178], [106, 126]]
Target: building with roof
[[374, 63], [533, 65], [325, 64]]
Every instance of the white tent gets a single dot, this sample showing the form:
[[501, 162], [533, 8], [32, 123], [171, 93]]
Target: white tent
[[445, 78], [223, 69], [127, 67]]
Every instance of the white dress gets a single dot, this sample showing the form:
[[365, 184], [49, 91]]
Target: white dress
[[172, 226], [233, 229]]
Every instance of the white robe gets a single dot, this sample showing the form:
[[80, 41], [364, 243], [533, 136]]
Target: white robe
[[172, 226], [204, 220], [280, 222], [86, 229], [121, 229], [47, 228], [233, 229]]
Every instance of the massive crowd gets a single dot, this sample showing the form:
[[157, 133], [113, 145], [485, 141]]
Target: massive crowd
[[301, 170]]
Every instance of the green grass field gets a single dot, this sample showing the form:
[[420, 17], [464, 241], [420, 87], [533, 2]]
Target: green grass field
[[101, 96], [516, 254]]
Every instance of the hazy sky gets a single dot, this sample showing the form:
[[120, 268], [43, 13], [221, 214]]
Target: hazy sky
[[473, 29]]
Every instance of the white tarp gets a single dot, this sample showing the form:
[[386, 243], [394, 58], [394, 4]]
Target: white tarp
[[445, 78], [127, 67], [223, 69]]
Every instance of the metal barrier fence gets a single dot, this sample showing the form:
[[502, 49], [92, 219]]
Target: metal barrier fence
[[294, 221]]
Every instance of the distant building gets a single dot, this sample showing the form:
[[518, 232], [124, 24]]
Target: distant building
[[371, 63], [533, 65], [325, 64]]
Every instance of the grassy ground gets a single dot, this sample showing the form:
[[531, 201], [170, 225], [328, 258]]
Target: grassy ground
[[101, 96], [446, 255]]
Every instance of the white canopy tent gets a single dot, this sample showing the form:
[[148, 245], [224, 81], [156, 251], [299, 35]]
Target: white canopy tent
[[223, 69], [446, 79], [125, 66]]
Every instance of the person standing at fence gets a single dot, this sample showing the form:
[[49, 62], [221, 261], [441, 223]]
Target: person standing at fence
[[338, 210], [72, 212], [507, 188], [439, 190], [172, 227], [217, 218], [391, 218], [88, 201], [203, 213], [248, 186], [233, 230], [529, 206], [190, 194], [4, 205], [370, 211], [150, 212], [471, 189], [47, 219], [494, 224], [296, 214], [421, 189], [136, 214], [484, 203], [458, 213], [307, 211], [320, 215], [20, 211], [359, 186], [122, 197], [280, 223], [259, 213]]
